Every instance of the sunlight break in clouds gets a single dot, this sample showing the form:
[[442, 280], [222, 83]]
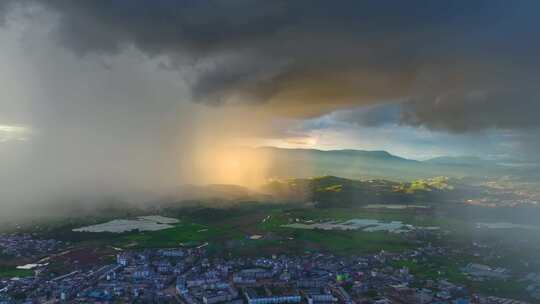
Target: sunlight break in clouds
[[14, 132]]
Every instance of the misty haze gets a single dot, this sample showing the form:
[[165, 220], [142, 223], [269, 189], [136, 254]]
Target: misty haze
[[267, 152]]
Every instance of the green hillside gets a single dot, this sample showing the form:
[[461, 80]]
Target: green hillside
[[332, 191]]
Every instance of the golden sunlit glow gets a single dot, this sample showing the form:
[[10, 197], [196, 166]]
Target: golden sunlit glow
[[222, 164], [218, 153]]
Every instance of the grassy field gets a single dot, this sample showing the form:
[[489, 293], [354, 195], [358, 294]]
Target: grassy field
[[11, 272], [342, 242], [352, 242], [223, 226], [185, 233], [234, 225]]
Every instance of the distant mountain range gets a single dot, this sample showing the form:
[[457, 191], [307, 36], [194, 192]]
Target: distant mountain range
[[461, 161], [360, 164]]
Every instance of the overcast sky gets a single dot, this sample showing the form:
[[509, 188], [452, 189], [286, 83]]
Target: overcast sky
[[128, 92]]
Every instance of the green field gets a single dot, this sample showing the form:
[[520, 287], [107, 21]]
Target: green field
[[436, 268], [343, 242], [222, 227], [184, 233], [227, 230], [11, 272]]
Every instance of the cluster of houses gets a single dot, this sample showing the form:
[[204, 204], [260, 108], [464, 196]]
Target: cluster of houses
[[24, 245]]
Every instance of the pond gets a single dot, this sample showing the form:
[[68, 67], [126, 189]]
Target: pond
[[143, 223], [367, 225]]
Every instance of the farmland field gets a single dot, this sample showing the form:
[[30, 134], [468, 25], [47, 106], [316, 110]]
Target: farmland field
[[230, 230], [10, 272]]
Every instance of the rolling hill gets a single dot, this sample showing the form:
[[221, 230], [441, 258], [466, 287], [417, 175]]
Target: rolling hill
[[332, 191], [360, 164]]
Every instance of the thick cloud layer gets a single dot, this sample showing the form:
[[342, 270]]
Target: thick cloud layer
[[475, 110], [462, 64]]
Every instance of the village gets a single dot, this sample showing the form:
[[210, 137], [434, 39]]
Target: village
[[191, 276]]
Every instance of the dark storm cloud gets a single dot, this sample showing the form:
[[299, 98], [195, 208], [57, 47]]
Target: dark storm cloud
[[4, 7], [306, 58], [475, 110]]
